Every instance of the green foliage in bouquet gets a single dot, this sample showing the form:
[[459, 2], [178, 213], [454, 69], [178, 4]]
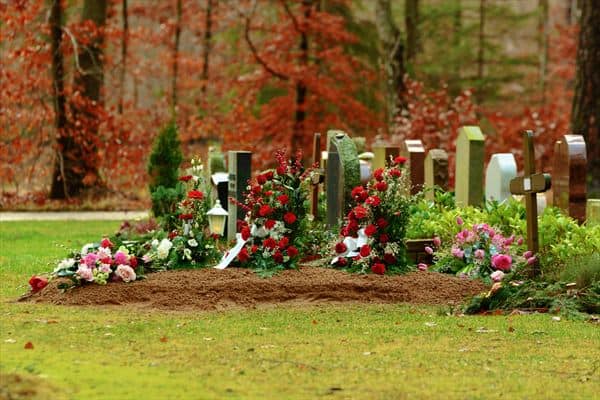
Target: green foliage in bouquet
[[372, 237], [163, 168]]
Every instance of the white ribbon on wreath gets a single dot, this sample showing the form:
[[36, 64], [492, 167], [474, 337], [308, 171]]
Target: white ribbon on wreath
[[353, 246]]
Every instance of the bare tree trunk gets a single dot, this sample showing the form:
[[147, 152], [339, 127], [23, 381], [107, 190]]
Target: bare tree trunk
[[411, 19], [392, 45], [176, 58], [298, 133], [585, 114], [457, 33], [543, 46], [124, 42], [58, 188], [207, 44], [480, 49], [77, 164]]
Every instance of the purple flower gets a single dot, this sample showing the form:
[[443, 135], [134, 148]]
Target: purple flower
[[428, 250], [531, 260], [459, 221], [527, 254], [458, 253], [90, 259], [520, 241]]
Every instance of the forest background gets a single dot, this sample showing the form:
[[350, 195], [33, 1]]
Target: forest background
[[86, 85]]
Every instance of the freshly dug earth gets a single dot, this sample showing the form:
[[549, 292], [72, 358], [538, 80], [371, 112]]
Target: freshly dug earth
[[210, 289]]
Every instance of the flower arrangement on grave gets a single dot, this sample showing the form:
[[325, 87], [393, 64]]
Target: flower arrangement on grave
[[276, 217], [479, 251], [372, 237]]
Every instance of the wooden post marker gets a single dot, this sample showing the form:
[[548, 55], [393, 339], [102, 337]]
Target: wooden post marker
[[569, 186], [317, 177], [529, 185]]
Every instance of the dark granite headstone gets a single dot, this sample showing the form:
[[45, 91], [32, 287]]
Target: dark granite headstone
[[570, 164], [239, 174], [343, 174]]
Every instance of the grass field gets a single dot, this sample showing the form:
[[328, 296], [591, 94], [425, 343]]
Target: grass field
[[337, 352]]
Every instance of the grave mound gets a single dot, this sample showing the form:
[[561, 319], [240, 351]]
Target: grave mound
[[210, 289]]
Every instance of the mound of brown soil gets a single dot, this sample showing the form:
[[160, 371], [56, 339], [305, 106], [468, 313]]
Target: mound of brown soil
[[209, 289]]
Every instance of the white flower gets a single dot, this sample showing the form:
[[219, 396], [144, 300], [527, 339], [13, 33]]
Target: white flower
[[126, 273], [497, 276], [65, 264], [163, 248], [104, 252], [85, 249], [85, 273], [192, 243], [155, 243], [258, 232]]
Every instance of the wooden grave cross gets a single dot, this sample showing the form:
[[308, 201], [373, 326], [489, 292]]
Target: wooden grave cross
[[317, 177], [529, 185]]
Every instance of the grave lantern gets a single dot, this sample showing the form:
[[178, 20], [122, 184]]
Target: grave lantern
[[216, 219]]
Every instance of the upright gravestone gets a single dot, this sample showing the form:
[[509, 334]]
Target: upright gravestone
[[382, 154], [569, 173], [593, 212], [501, 169], [436, 171], [469, 166], [343, 174], [239, 174], [314, 196], [415, 154]]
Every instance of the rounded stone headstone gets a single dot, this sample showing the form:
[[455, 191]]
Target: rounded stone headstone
[[501, 169]]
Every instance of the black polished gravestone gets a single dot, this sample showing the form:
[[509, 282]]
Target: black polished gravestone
[[343, 174], [239, 174]]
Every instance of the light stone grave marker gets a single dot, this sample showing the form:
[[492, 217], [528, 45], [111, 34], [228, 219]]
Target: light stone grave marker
[[383, 154], [414, 152], [469, 166], [436, 171], [501, 169]]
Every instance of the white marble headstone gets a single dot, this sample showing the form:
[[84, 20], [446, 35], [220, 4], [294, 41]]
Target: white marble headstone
[[501, 169]]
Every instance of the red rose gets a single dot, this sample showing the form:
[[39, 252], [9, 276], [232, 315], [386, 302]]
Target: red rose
[[281, 170], [172, 235], [382, 223], [292, 251], [389, 258], [360, 212], [283, 199], [270, 223], [344, 231], [395, 172], [352, 228], [254, 248], [269, 193], [261, 179], [186, 216], [269, 243], [373, 201], [106, 260], [283, 243], [269, 175], [342, 261], [378, 269], [365, 250], [245, 233], [378, 174], [381, 186], [278, 257], [185, 178], [357, 191], [384, 238], [340, 248], [195, 194], [256, 189], [106, 243], [37, 283], [399, 160], [370, 230], [133, 262], [243, 255], [289, 218], [265, 210]]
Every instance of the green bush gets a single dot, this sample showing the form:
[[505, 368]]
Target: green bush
[[165, 159]]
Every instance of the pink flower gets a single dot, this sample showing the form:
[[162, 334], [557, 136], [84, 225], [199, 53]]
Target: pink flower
[[90, 259], [520, 241], [479, 254], [428, 250], [531, 260], [502, 262], [527, 254], [105, 268], [437, 242], [85, 273], [125, 272], [459, 221], [422, 267], [121, 258], [497, 276], [458, 253]]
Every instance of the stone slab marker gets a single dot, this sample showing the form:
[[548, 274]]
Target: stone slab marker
[[343, 174], [414, 151], [469, 166], [382, 154], [436, 171], [501, 169], [239, 174], [570, 165]]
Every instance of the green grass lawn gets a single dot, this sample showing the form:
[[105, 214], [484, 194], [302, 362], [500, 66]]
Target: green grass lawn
[[345, 352]]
